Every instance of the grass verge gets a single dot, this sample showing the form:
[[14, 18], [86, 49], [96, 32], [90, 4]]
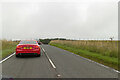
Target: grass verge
[[8, 47], [106, 60], [8, 51]]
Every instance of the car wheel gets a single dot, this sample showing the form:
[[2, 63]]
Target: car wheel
[[38, 55], [17, 56]]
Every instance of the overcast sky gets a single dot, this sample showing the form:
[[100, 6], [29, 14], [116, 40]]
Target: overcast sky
[[74, 19]]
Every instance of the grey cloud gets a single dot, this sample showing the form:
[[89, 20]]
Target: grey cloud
[[24, 20]]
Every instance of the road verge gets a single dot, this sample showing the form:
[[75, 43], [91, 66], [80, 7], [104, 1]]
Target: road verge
[[106, 60], [8, 47]]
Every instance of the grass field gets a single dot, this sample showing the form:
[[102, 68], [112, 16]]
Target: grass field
[[7, 47], [105, 52]]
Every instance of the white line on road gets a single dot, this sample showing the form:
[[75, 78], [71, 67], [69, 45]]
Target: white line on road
[[87, 60], [7, 58], [99, 64], [49, 59], [43, 50], [52, 63]]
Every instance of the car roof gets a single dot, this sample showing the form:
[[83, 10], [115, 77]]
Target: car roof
[[28, 40]]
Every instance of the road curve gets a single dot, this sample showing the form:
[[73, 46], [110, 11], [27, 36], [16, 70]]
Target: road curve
[[68, 65]]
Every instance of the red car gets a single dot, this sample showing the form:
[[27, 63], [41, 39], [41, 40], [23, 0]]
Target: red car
[[28, 47]]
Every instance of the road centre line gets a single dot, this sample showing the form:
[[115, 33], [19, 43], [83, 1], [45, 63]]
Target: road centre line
[[96, 62], [42, 49], [92, 62], [49, 59], [52, 63]]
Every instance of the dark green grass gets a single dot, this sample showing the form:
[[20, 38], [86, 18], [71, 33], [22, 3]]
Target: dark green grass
[[106, 60]]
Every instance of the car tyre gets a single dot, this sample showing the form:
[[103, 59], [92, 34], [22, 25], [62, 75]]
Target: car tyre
[[17, 56], [38, 55]]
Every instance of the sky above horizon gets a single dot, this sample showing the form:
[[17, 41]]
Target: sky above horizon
[[72, 19]]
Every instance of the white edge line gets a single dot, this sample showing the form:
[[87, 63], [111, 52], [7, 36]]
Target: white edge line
[[7, 58], [90, 61], [100, 64], [49, 59], [97, 63]]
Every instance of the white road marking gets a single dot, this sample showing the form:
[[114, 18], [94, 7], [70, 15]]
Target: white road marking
[[100, 64], [7, 58], [49, 59], [96, 63], [43, 50], [116, 71], [58, 75], [52, 63], [92, 61]]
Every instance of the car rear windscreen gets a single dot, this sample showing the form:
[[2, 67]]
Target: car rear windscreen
[[28, 42]]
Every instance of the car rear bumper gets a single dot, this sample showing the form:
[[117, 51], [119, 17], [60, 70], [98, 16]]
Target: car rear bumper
[[27, 52]]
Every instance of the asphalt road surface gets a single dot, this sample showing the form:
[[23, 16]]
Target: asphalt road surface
[[67, 65]]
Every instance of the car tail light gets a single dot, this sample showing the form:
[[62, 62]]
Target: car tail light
[[36, 47], [19, 47]]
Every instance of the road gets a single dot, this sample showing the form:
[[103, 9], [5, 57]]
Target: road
[[68, 65]]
